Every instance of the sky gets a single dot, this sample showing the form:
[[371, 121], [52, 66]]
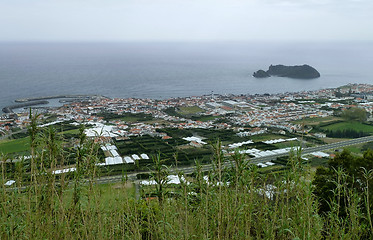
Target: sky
[[186, 20]]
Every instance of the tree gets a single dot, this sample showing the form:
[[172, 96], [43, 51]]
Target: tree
[[160, 176], [345, 187], [355, 114]]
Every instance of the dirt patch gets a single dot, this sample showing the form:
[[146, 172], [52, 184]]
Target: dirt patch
[[333, 140]]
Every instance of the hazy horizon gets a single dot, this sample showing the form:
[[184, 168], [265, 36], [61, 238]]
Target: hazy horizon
[[159, 70], [178, 20], [341, 41]]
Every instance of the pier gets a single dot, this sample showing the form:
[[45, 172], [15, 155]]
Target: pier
[[27, 102], [23, 100], [9, 109]]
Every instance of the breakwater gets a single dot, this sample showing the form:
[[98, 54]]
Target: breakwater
[[9, 109], [26, 102], [23, 100]]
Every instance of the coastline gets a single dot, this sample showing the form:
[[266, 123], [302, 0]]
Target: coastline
[[28, 102], [21, 100], [9, 109]]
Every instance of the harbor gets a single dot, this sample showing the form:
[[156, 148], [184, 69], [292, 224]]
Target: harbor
[[9, 109], [81, 97], [48, 101]]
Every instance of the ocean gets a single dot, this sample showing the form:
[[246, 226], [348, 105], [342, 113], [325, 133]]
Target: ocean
[[173, 69]]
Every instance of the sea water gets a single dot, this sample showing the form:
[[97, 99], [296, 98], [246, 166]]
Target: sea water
[[173, 69]]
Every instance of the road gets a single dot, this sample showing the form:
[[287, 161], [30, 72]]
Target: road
[[9, 135], [255, 160]]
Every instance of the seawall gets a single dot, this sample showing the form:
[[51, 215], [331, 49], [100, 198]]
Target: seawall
[[9, 109]]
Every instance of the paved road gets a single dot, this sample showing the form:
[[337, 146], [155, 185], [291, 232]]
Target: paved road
[[9, 135], [255, 160]]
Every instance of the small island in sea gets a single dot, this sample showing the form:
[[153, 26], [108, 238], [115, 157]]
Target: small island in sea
[[300, 72]]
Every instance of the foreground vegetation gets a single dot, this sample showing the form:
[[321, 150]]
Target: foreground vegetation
[[235, 203]]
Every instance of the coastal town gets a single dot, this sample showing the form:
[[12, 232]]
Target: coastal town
[[254, 113], [180, 122]]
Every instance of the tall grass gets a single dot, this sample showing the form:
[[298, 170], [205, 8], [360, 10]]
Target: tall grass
[[250, 206]]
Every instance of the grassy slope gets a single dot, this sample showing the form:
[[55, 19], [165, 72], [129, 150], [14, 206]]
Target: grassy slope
[[23, 144], [216, 212], [17, 145]]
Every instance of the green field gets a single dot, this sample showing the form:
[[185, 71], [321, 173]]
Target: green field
[[190, 110], [357, 126], [13, 146], [128, 117], [316, 121], [287, 144], [204, 118], [355, 149], [23, 144], [168, 149], [265, 137]]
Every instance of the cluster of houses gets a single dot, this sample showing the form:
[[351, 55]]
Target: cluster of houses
[[255, 113]]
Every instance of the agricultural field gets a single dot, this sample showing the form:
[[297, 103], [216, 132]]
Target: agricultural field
[[208, 135], [133, 118], [204, 118], [315, 162], [169, 150], [20, 142], [193, 113], [292, 144], [317, 121], [356, 149], [15, 146], [265, 137], [357, 126], [190, 110], [328, 140], [127, 117]]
